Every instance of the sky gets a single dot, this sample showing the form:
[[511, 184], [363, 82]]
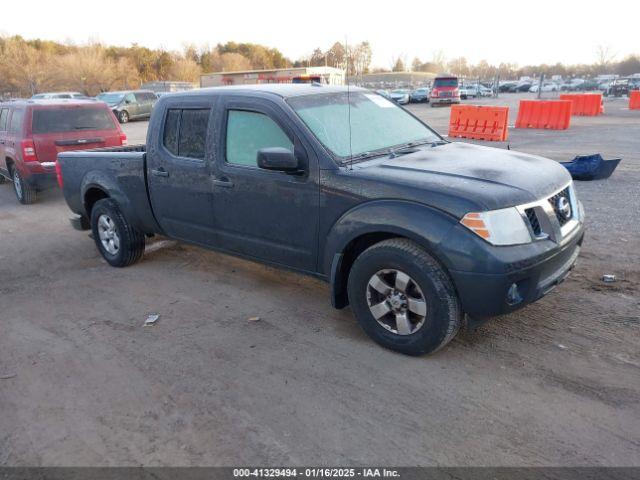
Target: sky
[[515, 31]]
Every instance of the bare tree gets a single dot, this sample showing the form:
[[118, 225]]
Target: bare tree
[[439, 60], [605, 55]]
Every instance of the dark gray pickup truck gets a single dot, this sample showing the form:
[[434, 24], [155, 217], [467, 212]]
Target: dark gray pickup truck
[[416, 234]]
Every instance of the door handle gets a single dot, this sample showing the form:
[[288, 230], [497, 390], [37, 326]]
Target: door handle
[[222, 182], [160, 172]]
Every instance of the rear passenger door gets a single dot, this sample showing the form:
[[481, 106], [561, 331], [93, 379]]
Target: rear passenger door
[[144, 104], [179, 157], [131, 105]]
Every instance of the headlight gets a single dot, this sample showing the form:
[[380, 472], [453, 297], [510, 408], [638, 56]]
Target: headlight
[[498, 227]]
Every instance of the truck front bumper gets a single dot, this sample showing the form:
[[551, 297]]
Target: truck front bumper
[[524, 281]]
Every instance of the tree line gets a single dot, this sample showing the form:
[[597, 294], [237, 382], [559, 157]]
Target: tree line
[[605, 64], [31, 66]]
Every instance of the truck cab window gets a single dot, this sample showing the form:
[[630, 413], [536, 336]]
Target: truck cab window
[[248, 132], [185, 132], [193, 133], [170, 135]]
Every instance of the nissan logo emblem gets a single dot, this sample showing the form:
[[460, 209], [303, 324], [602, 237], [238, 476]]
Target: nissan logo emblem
[[564, 207]]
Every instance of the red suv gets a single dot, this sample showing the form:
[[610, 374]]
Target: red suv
[[445, 90], [33, 132]]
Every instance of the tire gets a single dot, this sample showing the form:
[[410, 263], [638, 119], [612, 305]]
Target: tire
[[25, 192], [2, 179], [430, 326], [123, 116], [107, 220]]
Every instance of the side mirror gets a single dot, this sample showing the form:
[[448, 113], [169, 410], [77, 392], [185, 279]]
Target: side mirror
[[279, 159]]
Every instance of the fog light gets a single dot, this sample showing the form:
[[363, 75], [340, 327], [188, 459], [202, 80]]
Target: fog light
[[513, 295]]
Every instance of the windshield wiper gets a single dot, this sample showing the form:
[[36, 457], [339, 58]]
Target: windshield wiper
[[85, 127], [439, 142], [363, 156]]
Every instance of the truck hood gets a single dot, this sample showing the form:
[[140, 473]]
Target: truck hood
[[460, 177]]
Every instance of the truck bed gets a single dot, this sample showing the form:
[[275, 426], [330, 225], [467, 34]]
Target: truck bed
[[116, 172]]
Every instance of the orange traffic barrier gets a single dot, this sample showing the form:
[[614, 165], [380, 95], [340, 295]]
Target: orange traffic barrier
[[588, 104], [634, 100], [551, 114], [479, 122]]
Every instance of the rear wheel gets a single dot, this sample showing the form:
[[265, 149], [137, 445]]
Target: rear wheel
[[123, 116], [25, 192], [119, 243], [403, 299]]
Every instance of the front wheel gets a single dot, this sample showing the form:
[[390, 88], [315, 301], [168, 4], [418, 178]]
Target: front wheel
[[403, 299], [119, 243], [123, 116]]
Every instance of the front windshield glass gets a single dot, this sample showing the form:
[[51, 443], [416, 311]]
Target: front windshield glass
[[445, 82], [111, 98], [376, 123]]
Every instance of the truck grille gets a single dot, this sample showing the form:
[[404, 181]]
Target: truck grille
[[555, 203], [533, 221]]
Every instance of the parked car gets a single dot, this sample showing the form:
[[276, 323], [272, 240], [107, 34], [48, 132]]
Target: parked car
[[130, 105], [588, 85], [409, 229], [622, 86], [506, 86], [522, 86], [54, 95], [467, 91], [420, 94], [444, 91], [400, 96], [484, 91], [572, 85], [546, 87], [33, 132], [384, 93]]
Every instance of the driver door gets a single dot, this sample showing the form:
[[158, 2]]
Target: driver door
[[269, 215]]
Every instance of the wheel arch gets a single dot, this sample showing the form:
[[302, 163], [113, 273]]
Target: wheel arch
[[91, 196], [365, 226]]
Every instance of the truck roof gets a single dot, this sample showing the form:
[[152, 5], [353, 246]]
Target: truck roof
[[284, 90]]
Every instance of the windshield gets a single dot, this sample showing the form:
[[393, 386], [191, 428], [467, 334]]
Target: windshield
[[445, 82], [111, 98], [71, 119], [376, 123]]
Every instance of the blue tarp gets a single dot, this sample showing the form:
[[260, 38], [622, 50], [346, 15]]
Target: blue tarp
[[591, 167]]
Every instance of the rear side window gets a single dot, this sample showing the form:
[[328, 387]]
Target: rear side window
[[71, 120], [185, 132], [248, 132], [4, 113], [16, 121]]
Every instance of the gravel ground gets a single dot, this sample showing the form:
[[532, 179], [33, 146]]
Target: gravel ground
[[82, 382]]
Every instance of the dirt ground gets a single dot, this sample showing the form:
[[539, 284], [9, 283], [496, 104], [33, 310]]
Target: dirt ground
[[83, 382]]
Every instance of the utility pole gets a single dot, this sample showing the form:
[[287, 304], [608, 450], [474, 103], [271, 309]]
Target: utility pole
[[540, 85]]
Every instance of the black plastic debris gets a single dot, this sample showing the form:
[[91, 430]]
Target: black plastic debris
[[591, 167]]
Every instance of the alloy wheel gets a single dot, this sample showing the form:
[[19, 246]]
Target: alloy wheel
[[396, 301], [108, 234]]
